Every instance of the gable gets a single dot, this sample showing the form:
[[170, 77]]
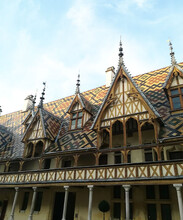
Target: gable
[[174, 78], [124, 99], [36, 131]]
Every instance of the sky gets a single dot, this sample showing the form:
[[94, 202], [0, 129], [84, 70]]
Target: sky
[[53, 41]]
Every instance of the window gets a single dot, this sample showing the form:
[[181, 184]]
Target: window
[[148, 154], [47, 163], [175, 155], [103, 159], [150, 192], [166, 212], [164, 192], [25, 201], [117, 128], [66, 163], [117, 192], [176, 101], [38, 202], [117, 210], [76, 121], [117, 157], [151, 212]]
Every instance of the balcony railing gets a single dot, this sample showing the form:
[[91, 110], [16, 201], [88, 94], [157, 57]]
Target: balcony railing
[[108, 173]]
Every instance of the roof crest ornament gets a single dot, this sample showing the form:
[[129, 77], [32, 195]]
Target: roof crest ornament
[[121, 62], [42, 97], [0, 110], [78, 85], [172, 54], [33, 103]]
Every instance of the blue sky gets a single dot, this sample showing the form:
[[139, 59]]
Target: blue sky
[[52, 41]]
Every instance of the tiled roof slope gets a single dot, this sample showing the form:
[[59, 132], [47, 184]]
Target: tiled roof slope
[[13, 121], [151, 84]]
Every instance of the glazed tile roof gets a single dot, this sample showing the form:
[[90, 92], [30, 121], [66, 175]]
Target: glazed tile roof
[[13, 121], [150, 84]]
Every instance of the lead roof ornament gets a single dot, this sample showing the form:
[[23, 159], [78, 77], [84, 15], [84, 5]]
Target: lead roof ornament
[[121, 62], [78, 85], [42, 97], [172, 54]]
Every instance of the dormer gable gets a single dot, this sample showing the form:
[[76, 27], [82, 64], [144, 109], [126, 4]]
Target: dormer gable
[[173, 85], [124, 99], [80, 110]]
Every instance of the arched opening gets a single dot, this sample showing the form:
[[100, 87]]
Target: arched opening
[[104, 139], [117, 134], [132, 137], [148, 134], [38, 149], [29, 150], [86, 160]]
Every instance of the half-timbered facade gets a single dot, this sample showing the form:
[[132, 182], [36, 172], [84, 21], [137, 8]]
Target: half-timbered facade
[[122, 143]]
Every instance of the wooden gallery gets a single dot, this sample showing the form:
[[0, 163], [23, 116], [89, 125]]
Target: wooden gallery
[[114, 152]]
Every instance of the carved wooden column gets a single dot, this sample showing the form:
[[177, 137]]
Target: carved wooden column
[[33, 202], [90, 202], [65, 202], [14, 203], [179, 197]]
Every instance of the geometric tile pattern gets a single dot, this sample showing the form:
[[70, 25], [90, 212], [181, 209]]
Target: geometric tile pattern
[[151, 84]]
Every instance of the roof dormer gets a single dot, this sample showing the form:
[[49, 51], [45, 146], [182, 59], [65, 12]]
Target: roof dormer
[[173, 85], [80, 109]]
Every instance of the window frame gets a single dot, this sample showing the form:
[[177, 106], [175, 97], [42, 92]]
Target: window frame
[[172, 96], [76, 120]]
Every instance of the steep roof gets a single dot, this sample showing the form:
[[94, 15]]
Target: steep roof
[[150, 84]]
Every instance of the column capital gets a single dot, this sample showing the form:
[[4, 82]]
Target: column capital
[[34, 188], [16, 189], [126, 187], [177, 186], [66, 188], [90, 187]]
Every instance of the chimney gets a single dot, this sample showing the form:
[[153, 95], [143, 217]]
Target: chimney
[[110, 72], [28, 103]]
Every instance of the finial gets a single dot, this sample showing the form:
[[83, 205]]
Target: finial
[[78, 85], [173, 60], [0, 110], [120, 54], [42, 97], [34, 102]]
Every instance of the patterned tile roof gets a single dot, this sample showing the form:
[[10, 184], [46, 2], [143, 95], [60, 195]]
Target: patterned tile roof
[[13, 121], [151, 85]]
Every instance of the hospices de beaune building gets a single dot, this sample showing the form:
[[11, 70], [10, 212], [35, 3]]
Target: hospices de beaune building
[[119, 145]]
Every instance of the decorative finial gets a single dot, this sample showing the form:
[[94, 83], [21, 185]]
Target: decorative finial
[[42, 97], [172, 54], [78, 85], [120, 54], [0, 110], [34, 102]]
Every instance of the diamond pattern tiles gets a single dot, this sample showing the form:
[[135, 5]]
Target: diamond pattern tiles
[[151, 84], [74, 140], [51, 124], [13, 121]]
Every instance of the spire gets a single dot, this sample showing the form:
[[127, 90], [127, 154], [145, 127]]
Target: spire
[[173, 60], [120, 54], [0, 110], [42, 97], [34, 102], [78, 85]]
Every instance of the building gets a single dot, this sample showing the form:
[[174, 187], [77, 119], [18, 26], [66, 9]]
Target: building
[[121, 143]]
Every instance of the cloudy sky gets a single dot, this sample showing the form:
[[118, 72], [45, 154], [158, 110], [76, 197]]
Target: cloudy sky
[[53, 41]]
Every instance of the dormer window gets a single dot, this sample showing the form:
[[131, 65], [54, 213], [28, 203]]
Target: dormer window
[[76, 121], [176, 95]]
